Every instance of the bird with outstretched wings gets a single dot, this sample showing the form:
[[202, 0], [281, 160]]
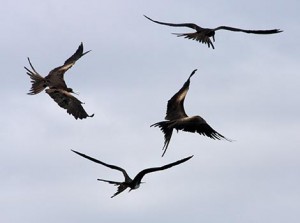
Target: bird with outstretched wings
[[128, 182], [203, 35], [178, 119], [57, 87]]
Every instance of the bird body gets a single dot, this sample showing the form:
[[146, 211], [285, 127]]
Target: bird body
[[179, 120], [128, 182], [203, 35], [57, 87], [55, 78]]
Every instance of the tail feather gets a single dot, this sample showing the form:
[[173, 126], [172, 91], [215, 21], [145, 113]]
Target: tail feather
[[111, 182], [121, 186], [37, 81], [165, 128], [198, 37]]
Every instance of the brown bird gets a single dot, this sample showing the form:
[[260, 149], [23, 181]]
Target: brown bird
[[203, 35], [179, 120], [57, 87], [137, 180]]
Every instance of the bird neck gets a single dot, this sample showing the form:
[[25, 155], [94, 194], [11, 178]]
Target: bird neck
[[133, 185], [69, 90], [136, 186], [210, 33]]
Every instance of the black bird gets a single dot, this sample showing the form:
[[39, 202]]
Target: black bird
[[203, 34], [57, 87], [137, 180], [178, 119]]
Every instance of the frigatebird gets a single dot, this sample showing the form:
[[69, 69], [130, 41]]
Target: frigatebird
[[57, 87], [203, 35], [128, 182], [179, 120]]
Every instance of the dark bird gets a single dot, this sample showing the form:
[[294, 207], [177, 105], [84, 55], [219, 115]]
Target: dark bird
[[137, 180], [57, 87], [203, 35], [179, 120]]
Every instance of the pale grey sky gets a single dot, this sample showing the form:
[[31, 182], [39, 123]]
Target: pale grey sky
[[247, 89]]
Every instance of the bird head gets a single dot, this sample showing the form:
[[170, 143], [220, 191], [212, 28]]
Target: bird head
[[136, 186], [213, 35], [71, 91], [210, 33]]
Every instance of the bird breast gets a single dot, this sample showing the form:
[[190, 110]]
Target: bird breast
[[136, 186], [207, 32]]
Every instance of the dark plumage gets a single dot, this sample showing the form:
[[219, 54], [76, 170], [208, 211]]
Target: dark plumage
[[178, 119], [57, 87], [203, 35], [67, 101], [128, 182]]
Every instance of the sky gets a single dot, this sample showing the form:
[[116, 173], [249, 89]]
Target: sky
[[247, 89]]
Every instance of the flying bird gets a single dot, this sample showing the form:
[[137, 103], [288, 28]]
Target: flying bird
[[179, 120], [57, 87], [128, 182], [204, 35]]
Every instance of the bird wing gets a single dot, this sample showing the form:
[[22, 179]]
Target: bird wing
[[175, 107], [189, 25], [59, 71], [199, 125], [77, 55], [140, 175], [200, 36], [67, 101], [104, 164], [268, 31]]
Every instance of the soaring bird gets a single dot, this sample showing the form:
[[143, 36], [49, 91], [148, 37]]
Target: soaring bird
[[57, 87], [128, 182], [203, 35], [179, 120]]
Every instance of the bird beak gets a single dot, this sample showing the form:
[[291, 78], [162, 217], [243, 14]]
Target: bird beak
[[77, 93]]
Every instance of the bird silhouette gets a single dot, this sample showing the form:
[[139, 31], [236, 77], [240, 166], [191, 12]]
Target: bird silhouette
[[179, 120], [128, 182], [57, 87], [204, 35]]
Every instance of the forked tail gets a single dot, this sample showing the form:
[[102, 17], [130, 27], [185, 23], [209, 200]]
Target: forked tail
[[167, 130], [121, 186], [198, 37], [37, 81], [111, 182]]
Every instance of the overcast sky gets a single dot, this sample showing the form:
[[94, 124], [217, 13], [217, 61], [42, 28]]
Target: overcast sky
[[247, 89]]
